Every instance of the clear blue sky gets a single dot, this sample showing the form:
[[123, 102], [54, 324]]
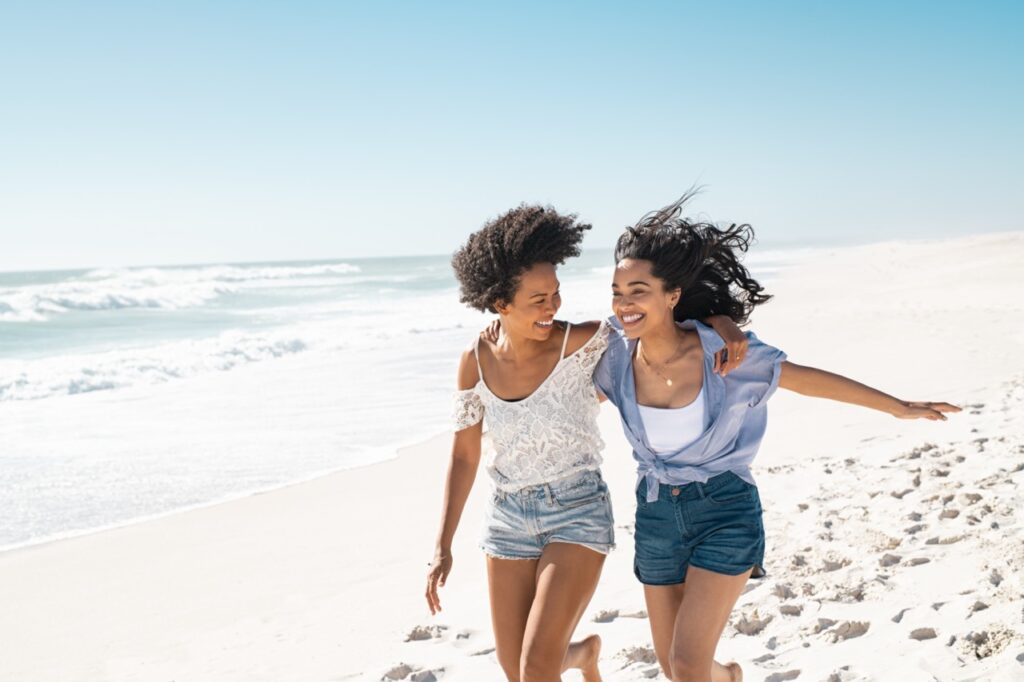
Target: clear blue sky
[[150, 133]]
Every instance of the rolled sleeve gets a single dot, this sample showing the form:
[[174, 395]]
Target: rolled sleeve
[[760, 370]]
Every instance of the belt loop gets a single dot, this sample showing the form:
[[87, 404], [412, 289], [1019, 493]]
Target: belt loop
[[547, 491], [700, 489]]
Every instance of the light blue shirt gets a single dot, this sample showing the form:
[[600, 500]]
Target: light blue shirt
[[734, 421]]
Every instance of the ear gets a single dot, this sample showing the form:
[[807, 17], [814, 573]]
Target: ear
[[675, 296], [500, 307]]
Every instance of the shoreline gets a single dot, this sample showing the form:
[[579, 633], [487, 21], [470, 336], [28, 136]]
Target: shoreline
[[394, 450]]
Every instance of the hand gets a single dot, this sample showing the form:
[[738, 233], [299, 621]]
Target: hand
[[933, 411], [440, 567], [492, 331], [729, 358]]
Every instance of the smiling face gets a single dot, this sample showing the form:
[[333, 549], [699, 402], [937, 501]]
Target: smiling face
[[532, 310], [639, 299]]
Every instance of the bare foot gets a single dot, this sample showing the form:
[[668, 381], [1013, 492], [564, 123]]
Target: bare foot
[[583, 655], [735, 672]]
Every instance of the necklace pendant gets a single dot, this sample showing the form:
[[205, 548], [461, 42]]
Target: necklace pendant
[[668, 381]]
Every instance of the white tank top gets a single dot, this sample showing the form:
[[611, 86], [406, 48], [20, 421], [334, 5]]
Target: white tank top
[[551, 433], [672, 429]]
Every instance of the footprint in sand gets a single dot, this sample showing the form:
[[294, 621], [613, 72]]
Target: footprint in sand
[[921, 634], [850, 629], [424, 632], [638, 654], [791, 609], [889, 560], [783, 591], [399, 672], [608, 615], [404, 671], [753, 624], [987, 643], [783, 677], [822, 625], [977, 606], [427, 675], [830, 564], [899, 616], [944, 541]]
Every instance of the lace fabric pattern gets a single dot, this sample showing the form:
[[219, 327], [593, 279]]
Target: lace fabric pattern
[[550, 434]]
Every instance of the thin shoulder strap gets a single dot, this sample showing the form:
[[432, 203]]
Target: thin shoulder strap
[[565, 341], [476, 354]]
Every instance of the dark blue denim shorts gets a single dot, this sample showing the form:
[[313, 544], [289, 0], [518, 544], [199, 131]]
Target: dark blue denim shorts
[[715, 525]]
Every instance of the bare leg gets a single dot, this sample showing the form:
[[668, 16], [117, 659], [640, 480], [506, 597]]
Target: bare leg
[[663, 604], [707, 602], [565, 581], [512, 583]]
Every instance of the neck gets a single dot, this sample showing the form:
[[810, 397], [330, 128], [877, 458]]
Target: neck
[[660, 344], [517, 346]]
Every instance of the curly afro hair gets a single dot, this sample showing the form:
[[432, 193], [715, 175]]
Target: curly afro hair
[[490, 263]]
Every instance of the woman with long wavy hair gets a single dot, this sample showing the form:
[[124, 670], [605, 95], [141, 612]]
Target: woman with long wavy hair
[[698, 531]]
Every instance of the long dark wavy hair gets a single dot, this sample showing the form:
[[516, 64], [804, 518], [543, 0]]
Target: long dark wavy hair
[[698, 257]]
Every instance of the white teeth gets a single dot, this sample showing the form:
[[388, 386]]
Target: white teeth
[[631, 318], [545, 324]]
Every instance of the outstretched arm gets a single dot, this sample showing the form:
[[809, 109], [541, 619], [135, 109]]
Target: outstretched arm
[[818, 383]]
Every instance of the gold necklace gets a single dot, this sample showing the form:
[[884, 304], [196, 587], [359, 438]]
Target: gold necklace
[[640, 352]]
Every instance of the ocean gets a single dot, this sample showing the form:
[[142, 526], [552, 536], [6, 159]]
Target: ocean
[[129, 393]]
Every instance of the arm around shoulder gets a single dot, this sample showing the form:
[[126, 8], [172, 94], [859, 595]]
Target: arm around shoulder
[[580, 334]]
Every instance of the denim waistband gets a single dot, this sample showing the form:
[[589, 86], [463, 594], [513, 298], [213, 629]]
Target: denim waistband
[[692, 490], [549, 488]]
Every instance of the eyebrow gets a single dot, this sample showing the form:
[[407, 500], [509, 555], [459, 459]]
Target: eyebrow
[[544, 293], [629, 284]]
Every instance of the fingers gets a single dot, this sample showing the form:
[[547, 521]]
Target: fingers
[[433, 601], [934, 411]]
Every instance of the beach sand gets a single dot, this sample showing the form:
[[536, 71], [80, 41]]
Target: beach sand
[[895, 548]]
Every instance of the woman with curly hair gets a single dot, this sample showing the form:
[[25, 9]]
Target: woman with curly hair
[[549, 521], [698, 531]]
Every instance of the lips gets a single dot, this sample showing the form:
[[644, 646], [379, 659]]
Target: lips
[[631, 319], [545, 325]]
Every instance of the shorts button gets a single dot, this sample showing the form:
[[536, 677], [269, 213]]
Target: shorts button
[[675, 492]]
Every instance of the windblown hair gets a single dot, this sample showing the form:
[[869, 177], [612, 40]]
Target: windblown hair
[[698, 257], [490, 263]]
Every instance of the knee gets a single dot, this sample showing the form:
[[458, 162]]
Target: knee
[[540, 664]]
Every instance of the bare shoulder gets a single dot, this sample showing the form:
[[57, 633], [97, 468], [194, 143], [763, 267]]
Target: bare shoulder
[[469, 375], [580, 333]]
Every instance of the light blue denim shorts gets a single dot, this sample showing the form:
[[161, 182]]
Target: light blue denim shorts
[[576, 509]]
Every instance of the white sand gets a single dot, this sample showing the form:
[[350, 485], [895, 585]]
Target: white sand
[[323, 580]]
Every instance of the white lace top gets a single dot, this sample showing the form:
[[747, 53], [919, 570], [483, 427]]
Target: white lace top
[[550, 434]]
